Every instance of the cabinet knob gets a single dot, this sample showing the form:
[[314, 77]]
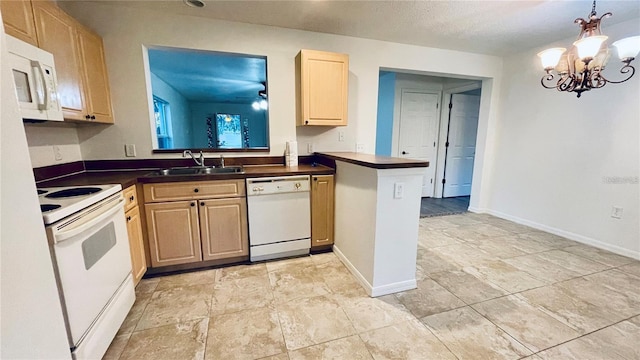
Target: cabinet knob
[[404, 153], [315, 179], [195, 190], [128, 218], [131, 198], [93, 117], [87, 117], [193, 204], [306, 122], [202, 203]]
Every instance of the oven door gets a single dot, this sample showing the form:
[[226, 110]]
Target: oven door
[[91, 253]]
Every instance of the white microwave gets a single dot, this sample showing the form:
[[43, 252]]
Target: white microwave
[[36, 85]]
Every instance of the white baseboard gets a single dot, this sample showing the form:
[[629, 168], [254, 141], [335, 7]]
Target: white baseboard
[[566, 234], [378, 290], [365, 284], [393, 288]]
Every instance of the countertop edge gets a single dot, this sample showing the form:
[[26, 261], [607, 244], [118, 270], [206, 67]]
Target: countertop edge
[[373, 161]]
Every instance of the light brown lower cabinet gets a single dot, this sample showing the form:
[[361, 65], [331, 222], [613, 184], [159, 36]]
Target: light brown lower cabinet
[[223, 228], [210, 224], [174, 233], [322, 210], [136, 244]]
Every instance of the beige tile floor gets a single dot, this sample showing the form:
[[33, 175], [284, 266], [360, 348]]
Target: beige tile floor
[[487, 289]]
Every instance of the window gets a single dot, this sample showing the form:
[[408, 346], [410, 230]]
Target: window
[[162, 114], [228, 131]]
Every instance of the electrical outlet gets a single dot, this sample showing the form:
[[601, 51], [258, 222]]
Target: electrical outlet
[[359, 147], [57, 154], [398, 190], [130, 150], [616, 212], [340, 135], [310, 148]]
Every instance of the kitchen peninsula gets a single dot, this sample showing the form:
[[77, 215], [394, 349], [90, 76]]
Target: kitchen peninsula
[[377, 209]]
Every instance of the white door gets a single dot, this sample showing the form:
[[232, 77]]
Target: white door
[[418, 132], [461, 151]]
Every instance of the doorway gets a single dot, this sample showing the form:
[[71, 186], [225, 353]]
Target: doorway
[[413, 122], [419, 113], [460, 144]]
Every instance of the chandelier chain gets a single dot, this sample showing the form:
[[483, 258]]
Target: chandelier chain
[[593, 9]]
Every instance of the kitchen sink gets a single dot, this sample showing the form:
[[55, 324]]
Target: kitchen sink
[[201, 170]]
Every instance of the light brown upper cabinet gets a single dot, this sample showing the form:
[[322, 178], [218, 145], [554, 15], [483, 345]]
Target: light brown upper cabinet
[[96, 90], [322, 81], [17, 17], [79, 57], [57, 35]]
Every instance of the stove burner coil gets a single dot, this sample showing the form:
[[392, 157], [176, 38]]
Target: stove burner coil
[[73, 192], [48, 207]]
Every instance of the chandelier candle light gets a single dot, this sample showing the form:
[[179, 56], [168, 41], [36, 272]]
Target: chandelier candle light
[[579, 69]]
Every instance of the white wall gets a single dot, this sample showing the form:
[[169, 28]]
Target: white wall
[[555, 154], [31, 321], [125, 31], [44, 136], [179, 108]]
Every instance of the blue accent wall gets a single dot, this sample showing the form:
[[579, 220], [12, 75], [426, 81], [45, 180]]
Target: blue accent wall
[[384, 126]]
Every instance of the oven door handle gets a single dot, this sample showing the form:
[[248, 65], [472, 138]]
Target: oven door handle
[[65, 235]]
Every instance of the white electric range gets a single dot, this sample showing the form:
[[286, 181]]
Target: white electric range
[[89, 244]]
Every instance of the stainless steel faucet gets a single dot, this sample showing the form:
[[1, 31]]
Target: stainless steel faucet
[[198, 162]]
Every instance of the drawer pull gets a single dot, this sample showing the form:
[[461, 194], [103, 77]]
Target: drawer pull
[[195, 190], [131, 198], [128, 218]]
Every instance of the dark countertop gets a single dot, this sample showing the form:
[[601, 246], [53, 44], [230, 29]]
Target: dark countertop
[[130, 177], [373, 161]]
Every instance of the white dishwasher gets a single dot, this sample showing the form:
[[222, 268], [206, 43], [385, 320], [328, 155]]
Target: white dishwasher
[[279, 217]]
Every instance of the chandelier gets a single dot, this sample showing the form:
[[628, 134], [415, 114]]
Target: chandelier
[[579, 69]]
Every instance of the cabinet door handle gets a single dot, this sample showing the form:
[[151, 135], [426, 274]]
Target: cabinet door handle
[[315, 179], [93, 117], [306, 122], [404, 153], [193, 204], [131, 198], [195, 190], [128, 218], [87, 116], [201, 203]]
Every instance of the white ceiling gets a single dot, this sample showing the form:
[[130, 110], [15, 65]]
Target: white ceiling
[[487, 27]]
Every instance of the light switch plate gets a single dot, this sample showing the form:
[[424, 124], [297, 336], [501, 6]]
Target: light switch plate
[[359, 147], [130, 150], [398, 190]]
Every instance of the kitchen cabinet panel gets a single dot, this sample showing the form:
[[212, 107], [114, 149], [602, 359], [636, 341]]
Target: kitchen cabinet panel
[[323, 88], [17, 16], [173, 233], [57, 34], [193, 190], [322, 210], [97, 93], [136, 244], [210, 216], [223, 224]]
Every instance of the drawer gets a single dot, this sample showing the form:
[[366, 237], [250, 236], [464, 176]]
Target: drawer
[[193, 190], [130, 198]]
